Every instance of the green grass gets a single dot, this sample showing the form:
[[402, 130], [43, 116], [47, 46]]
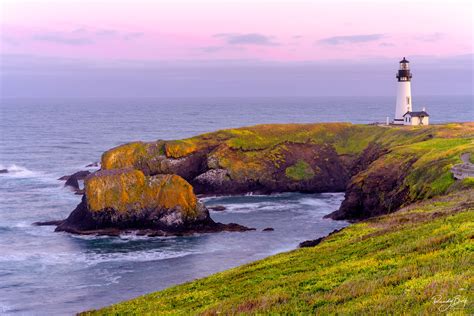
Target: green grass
[[431, 174], [301, 170], [394, 264]]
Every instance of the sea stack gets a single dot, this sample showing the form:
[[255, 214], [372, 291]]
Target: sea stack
[[125, 200]]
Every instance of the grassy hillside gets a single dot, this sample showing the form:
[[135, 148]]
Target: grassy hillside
[[394, 264]]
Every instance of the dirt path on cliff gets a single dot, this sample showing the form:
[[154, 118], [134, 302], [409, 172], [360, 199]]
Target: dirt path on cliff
[[465, 169], [465, 158]]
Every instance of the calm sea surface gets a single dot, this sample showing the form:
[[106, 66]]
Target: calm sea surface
[[47, 273]]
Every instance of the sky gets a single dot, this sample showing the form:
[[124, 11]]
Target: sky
[[233, 48]]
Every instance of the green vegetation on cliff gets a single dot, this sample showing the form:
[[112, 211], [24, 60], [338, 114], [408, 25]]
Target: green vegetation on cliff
[[406, 262], [300, 171], [381, 168]]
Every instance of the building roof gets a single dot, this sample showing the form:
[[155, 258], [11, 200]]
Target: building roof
[[418, 114], [404, 61]]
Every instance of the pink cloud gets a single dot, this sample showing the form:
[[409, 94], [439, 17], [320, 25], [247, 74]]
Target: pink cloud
[[186, 30]]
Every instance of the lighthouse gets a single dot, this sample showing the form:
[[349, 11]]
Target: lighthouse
[[404, 102]]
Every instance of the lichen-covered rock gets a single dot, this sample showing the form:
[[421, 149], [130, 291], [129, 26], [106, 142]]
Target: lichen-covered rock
[[180, 148], [127, 156], [152, 158], [128, 189], [126, 199], [307, 167]]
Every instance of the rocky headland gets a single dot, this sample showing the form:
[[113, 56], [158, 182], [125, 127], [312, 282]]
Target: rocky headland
[[151, 186]]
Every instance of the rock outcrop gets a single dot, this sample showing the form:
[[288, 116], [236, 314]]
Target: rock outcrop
[[217, 168], [72, 180], [305, 167], [125, 199], [379, 168], [151, 159], [376, 191]]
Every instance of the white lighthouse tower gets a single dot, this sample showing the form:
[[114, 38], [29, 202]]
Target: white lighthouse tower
[[404, 102]]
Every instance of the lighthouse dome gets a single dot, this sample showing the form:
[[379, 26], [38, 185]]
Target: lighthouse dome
[[404, 61]]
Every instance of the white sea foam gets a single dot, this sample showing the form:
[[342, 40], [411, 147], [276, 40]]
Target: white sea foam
[[125, 237], [5, 308], [91, 258], [323, 201], [17, 171], [313, 202], [249, 194], [86, 237], [135, 256], [22, 224], [242, 207]]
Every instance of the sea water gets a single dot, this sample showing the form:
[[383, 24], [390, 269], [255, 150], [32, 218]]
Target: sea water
[[44, 273]]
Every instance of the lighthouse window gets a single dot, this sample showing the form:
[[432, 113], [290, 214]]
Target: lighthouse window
[[408, 100]]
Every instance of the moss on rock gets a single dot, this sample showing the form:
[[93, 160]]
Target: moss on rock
[[180, 148], [120, 189], [300, 171], [128, 190], [124, 156], [138, 155]]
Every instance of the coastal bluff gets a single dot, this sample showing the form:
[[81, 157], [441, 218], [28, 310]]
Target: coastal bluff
[[380, 169]]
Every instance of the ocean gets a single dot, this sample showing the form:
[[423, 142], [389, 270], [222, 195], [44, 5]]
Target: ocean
[[48, 273]]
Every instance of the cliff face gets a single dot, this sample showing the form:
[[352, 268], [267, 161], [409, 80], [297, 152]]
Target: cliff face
[[407, 173], [375, 191], [379, 168], [121, 199], [264, 158], [302, 167]]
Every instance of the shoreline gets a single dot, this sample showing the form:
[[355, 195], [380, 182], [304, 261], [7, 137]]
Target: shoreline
[[379, 170], [421, 213]]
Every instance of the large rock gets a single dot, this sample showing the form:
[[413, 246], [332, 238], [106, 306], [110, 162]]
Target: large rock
[[125, 199], [155, 158]]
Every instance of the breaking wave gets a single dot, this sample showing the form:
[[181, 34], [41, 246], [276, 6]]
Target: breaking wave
[[17, 171]]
